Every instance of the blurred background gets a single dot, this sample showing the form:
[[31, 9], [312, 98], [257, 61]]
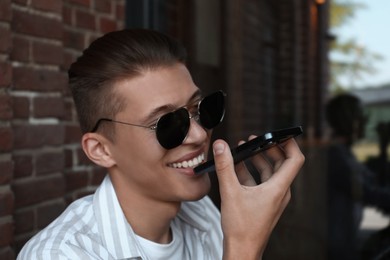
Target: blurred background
[[279, 61]]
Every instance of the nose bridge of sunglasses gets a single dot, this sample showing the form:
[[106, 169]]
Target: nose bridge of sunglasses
[[194, 116], [196, 130]]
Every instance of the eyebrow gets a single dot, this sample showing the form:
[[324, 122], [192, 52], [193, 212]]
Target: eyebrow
[[169, 107]]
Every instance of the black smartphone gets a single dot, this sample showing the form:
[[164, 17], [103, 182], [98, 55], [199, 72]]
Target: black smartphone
[[254, 146]]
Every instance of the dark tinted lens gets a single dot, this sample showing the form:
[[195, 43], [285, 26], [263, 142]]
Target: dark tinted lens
[[212, 110], [172, 128]]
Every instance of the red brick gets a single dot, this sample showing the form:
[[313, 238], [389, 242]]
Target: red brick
[[120, 11], [68, 158], [48, 107], [21, 107], [98, 175], [38, 190], [47, 213], [92, 37], [6, 139], [36, 25], [82, 193], [49, 162], [23, 166], [7, 253], [48, 5], [47, 53], [85, 20], [5, 107], [5, 10], [5, 42], [104, 6], [21, 49], [72, 134], [82, 157], [6, 203], [75, 40], [81, 2], [70, 111], [76, 180], [68, 58], [34, 136], [21, 2], [107, 25], [24, 221], [5, 74], [67, 15], [6, 231], [6, 171], [38, 80], [20, 241]]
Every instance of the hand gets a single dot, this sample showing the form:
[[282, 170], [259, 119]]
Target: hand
[[250, 212]]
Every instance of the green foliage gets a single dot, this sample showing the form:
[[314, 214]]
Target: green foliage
[[349, 58], [342, 12]]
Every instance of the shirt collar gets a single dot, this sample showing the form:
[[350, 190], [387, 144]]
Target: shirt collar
[[116, 233], [194, 214]]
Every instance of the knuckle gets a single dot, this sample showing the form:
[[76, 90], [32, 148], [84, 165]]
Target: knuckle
[[300, 158], [222, 165]]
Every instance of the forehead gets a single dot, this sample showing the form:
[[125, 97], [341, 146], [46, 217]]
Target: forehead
[[170, 86]]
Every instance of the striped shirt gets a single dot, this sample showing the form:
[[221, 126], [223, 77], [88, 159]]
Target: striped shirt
[[95, 227]]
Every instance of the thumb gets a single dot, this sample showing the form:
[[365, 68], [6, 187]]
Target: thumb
[[224, 167]]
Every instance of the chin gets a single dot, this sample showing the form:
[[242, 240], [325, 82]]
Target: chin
[[196, 198], [197, 193]]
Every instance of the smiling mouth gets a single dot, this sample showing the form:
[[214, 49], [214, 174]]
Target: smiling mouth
[[189, 163]]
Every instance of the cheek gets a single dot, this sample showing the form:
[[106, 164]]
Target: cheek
[[138, 146]]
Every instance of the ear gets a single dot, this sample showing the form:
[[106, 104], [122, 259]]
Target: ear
[[96, 147]]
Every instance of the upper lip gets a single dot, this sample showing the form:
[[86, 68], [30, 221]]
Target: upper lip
[[189, 156]]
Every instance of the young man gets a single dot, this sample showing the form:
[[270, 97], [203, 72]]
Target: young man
[[148, 124]]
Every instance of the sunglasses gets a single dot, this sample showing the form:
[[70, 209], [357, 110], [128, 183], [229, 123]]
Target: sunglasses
[[172, 128]]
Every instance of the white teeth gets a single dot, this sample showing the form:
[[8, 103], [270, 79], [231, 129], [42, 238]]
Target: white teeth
[[190, 163]]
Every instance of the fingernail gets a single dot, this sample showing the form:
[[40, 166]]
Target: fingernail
[[218, 148]]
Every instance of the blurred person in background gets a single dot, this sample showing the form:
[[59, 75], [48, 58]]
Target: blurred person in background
[[351, 185]]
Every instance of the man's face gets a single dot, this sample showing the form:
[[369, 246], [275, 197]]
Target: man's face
[[143, 167]]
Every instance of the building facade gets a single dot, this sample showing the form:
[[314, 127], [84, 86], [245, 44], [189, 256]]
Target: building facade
[[270, 57]]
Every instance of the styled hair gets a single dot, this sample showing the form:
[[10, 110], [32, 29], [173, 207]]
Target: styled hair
[[115, 56], [342, 112]]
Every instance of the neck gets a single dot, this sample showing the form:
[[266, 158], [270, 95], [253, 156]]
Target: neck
[[148, 217]]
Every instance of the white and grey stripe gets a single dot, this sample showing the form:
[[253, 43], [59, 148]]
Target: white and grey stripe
[[94, 227]]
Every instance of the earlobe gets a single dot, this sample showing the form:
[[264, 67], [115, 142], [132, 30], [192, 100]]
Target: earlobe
[[95, 147]]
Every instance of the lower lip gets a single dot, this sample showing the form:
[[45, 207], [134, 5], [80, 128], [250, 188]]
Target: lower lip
[[187, 171]]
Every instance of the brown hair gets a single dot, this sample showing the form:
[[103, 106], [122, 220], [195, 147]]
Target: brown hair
[[114, 56]]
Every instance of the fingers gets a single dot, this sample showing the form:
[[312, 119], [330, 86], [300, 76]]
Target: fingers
[[243, 174], [291, 165], [224, 167], [280, 158], [262, 164], [281, 165]]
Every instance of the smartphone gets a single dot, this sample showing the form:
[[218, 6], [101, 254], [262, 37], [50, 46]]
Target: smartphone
[[254, 146]]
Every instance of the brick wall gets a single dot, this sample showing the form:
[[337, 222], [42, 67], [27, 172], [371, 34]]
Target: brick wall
[[275, 73], [275, 65], [42, 167], [269, 54], [6, 135]]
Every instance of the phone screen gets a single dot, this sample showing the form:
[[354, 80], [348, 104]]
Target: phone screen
[[254, 146]]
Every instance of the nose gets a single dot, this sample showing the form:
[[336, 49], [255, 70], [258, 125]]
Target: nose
[[196, 134]]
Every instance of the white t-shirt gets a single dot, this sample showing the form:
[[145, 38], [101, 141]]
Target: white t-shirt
[[175, 250]]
